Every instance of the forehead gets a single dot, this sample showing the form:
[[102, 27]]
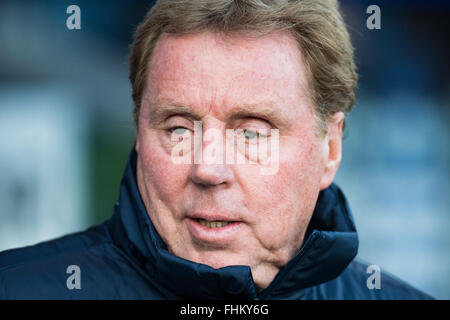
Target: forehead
[[214, 72]]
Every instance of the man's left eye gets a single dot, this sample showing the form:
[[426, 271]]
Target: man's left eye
[[250, 134]]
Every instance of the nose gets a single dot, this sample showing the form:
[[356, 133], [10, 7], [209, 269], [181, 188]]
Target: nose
[[209, 168]]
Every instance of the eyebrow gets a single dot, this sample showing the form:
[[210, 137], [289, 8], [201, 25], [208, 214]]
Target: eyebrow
[[265, 111], [163, 109]]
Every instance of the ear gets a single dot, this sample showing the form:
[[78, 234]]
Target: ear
[[333, 149], [138, 139], [137, 144]]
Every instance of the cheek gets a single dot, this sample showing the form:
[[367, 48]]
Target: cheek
[[303, 159], [283, 202], [163, 178], [301, 174]]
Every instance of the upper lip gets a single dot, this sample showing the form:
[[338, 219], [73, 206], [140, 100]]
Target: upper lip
[[212, 216]]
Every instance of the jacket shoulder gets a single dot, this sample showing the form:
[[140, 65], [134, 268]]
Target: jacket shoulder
[[46, 270], [66, 245], [41, 271], [363, 281]]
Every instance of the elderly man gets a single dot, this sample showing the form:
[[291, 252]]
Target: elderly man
[[228, 191]]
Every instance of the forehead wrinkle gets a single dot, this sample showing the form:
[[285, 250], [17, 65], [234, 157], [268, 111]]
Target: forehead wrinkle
[[212, 99]]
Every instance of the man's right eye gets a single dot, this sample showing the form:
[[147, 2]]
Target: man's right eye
[[178, 130]]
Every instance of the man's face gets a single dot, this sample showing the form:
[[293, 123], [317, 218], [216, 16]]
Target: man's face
[[234, 83]]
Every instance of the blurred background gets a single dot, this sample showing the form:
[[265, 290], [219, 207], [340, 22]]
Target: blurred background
[[66, 127]]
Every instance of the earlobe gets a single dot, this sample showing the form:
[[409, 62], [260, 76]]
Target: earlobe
[[137, 144], [334, 141]]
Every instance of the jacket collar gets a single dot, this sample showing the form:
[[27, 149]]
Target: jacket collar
[[331, 244]]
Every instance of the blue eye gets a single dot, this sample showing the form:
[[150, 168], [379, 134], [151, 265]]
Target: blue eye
[[250, 135], [178, 130]]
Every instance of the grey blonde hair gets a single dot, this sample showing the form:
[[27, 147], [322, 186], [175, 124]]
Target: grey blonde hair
[[317, 25]]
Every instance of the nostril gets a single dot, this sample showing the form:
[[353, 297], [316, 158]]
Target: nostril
[[211, 174]]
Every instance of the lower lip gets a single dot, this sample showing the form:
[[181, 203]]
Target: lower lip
[[220, 235]]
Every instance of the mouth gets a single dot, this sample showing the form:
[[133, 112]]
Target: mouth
[[213, 224], [213, 230]]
